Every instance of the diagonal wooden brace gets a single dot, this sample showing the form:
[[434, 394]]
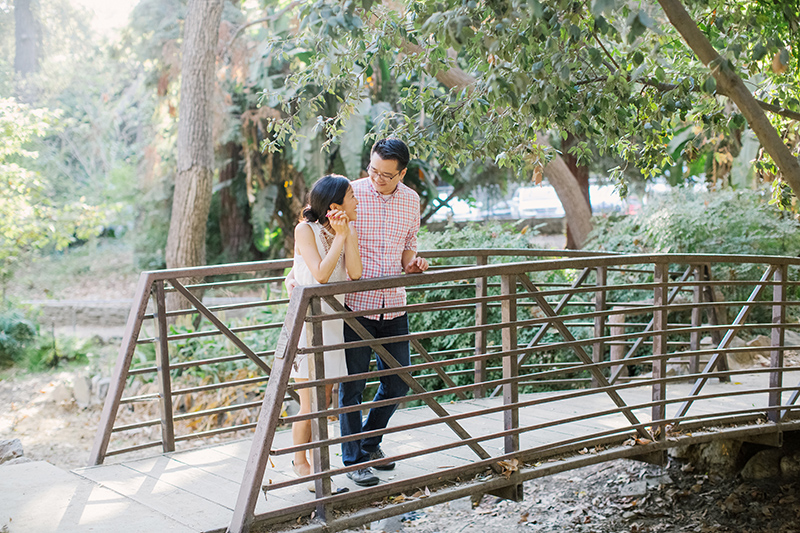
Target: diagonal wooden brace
[[726, 340], [205, 311], [558, 321], [409, 380]]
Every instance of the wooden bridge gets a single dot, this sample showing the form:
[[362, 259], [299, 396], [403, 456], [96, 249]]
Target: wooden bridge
[[524, 363]]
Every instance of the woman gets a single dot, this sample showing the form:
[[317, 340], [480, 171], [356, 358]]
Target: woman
[[326, 250]]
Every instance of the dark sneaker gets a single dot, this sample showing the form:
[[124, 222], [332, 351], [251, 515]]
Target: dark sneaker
[[378, 454], [364, 477]]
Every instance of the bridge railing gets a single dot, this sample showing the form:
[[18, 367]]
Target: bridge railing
[[541, 338], [495, 340], [196, 374]]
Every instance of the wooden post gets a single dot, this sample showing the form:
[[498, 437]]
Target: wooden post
[[480, 336], [319, 425], [697, 321], [162, 364], [616, 352], [716, 318], [778, 338], [660, 277], [508, 287], [598, 348]]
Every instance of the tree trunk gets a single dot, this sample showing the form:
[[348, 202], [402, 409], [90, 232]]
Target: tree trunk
[[578, 212], [731, 85], [26, 40], [581, 174], [186, 241], [235, 229]]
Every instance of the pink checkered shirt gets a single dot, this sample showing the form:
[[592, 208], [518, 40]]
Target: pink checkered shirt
[[386, 228]]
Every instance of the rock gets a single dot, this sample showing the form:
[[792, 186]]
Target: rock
[[636, 489], [100, 388], [18, 460], [791, 338], [461, 504], [10, 449], [720, 457], [790, 466], [763, 465], [60, 393], [82, 391], [392, 524]]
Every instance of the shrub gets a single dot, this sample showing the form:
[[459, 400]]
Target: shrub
[[16, 335], [719, 222]]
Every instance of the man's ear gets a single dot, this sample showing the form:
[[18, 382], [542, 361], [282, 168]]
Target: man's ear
[[403, 173]]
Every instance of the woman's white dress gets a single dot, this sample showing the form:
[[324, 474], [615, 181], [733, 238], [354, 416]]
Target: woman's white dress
[[332, 330]]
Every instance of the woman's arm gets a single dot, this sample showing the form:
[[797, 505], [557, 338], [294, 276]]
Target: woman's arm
[[352, 257], [306, 245]]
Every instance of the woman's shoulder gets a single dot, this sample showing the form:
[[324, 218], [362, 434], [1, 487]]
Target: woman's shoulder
[[304, 228]]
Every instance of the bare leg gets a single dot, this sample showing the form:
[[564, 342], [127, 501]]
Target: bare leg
[[301, 431]]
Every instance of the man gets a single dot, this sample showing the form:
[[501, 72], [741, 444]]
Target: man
[[387, 227]]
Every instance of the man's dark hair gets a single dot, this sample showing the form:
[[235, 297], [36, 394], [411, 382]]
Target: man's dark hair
[[392, 149]]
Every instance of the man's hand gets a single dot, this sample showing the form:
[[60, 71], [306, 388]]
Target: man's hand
[[416, 265]]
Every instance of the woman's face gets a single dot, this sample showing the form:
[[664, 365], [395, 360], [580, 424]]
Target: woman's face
[[349, 204]]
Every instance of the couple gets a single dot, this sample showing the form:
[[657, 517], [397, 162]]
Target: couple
[[367, 228]]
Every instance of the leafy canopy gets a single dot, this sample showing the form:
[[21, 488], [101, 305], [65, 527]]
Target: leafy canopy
[[614, 74]]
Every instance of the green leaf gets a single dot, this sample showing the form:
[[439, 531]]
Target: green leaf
[[600, 7]]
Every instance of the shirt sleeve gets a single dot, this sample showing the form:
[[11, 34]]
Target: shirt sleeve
[[411, 238]]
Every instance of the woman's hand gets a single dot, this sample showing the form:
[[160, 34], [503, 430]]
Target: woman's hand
[[339, 221]]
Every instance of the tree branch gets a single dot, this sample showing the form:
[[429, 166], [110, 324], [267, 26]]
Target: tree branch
[[666, 87], [734, 87]]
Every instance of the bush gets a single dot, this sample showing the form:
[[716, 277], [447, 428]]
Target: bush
[[16, 335], [683, 221]]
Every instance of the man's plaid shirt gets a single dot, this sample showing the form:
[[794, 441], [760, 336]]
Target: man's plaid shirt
[[386, 228]]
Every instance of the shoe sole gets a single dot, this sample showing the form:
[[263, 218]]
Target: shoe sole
[[385, 467], [370, 483]]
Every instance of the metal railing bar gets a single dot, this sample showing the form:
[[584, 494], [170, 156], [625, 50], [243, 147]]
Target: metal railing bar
[[144, 446], [214, 333], [202, 388], [221, 327], [189, 416], [544, 327], [233, 283], [125, 355], [723, 345], [227, 307], [200, 362], [599, 377], [636, 345], [406, 376]]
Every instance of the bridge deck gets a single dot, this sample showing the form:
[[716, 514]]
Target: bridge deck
[[196, 490]]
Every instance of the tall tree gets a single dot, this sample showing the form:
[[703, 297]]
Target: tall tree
[[26, 38], [186, 241]]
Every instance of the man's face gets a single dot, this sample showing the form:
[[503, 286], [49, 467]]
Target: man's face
[[384, 174]]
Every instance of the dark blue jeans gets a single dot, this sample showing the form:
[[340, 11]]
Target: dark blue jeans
[[391, 386]]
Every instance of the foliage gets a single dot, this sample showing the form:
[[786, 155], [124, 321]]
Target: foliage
[[719, 222], [615, 75], [16, 335], [491, 235], [29, 219]]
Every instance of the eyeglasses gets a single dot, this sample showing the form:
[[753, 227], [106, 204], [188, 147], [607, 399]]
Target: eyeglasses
[[375, 174]]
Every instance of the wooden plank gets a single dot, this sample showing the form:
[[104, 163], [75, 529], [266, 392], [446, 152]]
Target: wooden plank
[[41, 498], [175, 502]]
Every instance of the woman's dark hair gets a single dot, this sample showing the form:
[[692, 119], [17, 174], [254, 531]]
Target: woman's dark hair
[[327, 190]]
